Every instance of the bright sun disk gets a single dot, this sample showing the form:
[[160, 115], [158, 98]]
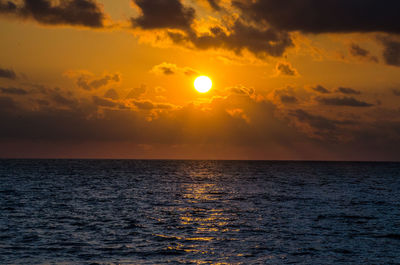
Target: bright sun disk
[[203, 84]]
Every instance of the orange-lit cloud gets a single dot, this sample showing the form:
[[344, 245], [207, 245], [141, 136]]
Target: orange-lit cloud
[[171, 69]]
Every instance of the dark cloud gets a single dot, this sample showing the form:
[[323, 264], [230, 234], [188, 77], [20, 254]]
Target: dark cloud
[[112, 94], [55, 95], [143, 104], [84, 83], [49, 124], [7, 7], [348, 91], [41, 95], [13, 90], [391, 50], [288, 99], [7, 73], [215, 4], [285, 95], [259, 41], [171, 69], [189, 71], [104, 81], [316, 16], [104, 102], [241, 90], [43, 102], [233, 121], [356, 50], [101, 119], [321, 89], [60, 99], [318, 122], [285, 69], [159, 14], [165, 68], [6, 104], [396, 92], [167, 71], [65, 12], [149, 105], [84, 122], [137, 92], [164, 106], [328, 130], [343, 101], [359, 52]]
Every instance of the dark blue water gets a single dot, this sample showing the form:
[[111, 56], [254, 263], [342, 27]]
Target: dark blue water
[[198, 212]]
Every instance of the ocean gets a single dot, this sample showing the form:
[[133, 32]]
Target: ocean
[[198, 212]]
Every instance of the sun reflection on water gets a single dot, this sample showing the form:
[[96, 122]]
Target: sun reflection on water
[[204, 215]]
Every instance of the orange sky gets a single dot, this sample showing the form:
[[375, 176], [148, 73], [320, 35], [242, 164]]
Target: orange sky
[[114, 79]]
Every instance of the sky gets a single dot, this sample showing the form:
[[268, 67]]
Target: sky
[[292, 79]]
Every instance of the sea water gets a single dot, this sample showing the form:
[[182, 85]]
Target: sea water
[[198, 212]]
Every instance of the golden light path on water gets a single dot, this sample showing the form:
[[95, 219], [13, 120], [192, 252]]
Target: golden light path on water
[[208, 225]]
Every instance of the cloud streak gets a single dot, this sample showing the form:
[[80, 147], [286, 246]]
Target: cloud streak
[[13, 91], [321, 89], [171, 69], [348, 91], [357, 51], [343, 101]]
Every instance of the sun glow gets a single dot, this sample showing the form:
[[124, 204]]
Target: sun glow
[[203, 84]]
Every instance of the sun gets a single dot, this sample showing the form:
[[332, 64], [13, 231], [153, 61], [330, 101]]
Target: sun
[[203, 84]]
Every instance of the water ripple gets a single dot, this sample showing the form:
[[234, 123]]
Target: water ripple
[[198, 212]]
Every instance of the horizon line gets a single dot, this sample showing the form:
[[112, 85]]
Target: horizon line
[[201, 159]]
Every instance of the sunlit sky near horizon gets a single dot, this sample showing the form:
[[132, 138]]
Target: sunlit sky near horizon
[[291, 79]]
